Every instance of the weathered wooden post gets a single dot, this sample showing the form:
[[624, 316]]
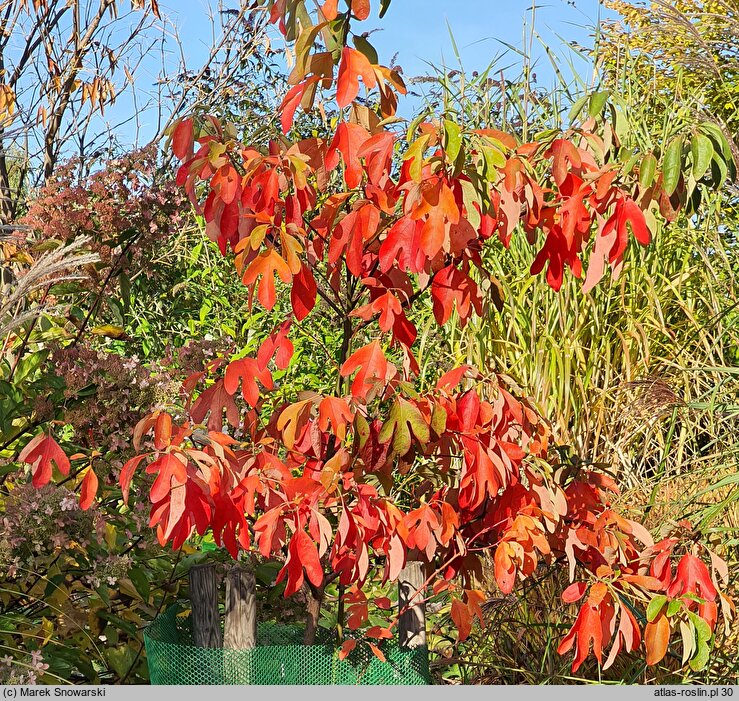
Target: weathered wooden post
[[206, 624], [412, 622], [240, 626], [240, 623]]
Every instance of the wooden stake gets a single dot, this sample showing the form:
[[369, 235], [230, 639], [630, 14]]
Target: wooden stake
[[412, 623], [206, 626], [240, 626]]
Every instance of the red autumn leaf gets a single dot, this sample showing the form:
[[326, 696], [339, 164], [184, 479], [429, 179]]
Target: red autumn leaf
[[330, 10], [278, 346], [183, 139], [377, 652], [308, 555], [303, 293], [656, 639], [628, 633], [171, 472], [162, 431], [452, 286], [692, 577], [462, 619], [127, 472], [402, 245], [433, 232], [505, 568], [145, 424], [347, 141], [227, 184], [248, 371], [346, 647], [292, 420], [563, 152], [450, 380], [361, 9], [613, 237], [215, 400], [378, 152], [650, 583], [88, 490], [387, 306], [350, 235], [353, 64], [41, 453], [267, 264], [574, 592], [586, 630], [336, 412], [373, 368], [291, 101]]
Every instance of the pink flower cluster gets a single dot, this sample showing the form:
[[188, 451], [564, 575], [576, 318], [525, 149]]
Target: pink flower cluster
[[107, 394], [126, 195], [24, 670], [36, 522]]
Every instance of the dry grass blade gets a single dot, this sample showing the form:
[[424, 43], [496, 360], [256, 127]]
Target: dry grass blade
[[52, 267]]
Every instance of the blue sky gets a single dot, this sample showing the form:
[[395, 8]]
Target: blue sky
[[419, 32], [417, 29]]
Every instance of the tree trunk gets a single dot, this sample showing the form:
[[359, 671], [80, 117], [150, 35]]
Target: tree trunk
[[412, 622], [240, 625], [314, 599], [206, 626]]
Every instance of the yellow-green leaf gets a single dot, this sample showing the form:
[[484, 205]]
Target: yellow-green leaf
[[701, 152], [647, 170], [671, 164]]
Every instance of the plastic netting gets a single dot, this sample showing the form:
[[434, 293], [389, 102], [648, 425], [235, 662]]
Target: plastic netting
[[279, 658]]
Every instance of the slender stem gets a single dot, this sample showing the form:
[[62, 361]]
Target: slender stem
[[340, 615], [114, 269]]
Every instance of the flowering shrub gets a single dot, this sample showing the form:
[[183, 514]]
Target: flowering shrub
[[124, 198]]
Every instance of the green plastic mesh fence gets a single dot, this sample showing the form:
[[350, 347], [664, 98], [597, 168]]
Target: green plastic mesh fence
[[279, 658]]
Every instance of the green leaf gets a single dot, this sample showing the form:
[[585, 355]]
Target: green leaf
[[363, 46], [597, 102], [701, 658], [655, 606], [687, 631], [577, 108], [361, 430], [124, 283], [719, 140], [647, 169], [673, 607], [119, 623], [469, 197], [672, 164], [702, 629], [384, 5], [266, 573], [413, 126], [140, 582], [701, 151], [120, 659], [403, 418], [453, 140], [102, 592], [416, 151], [438, 419]]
